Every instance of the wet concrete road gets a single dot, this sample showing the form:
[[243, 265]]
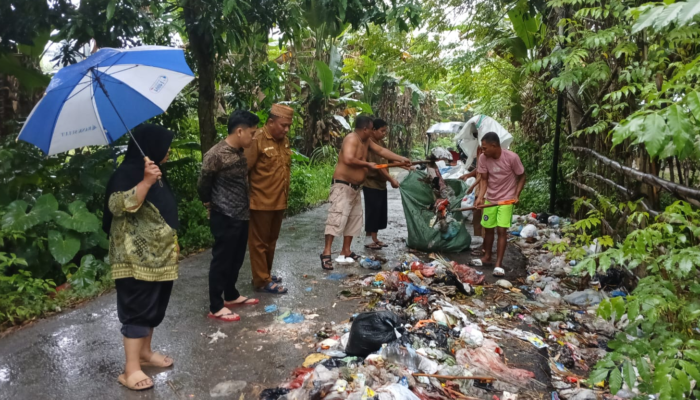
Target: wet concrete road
[[78, 354]]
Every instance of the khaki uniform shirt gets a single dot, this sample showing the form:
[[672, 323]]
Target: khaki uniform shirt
[[374, 179], [269, 171]]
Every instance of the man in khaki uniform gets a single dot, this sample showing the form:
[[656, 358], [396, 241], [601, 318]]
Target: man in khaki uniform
[[269, 172]]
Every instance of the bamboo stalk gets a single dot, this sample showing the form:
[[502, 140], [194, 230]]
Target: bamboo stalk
[[629, 194], [682, 192]]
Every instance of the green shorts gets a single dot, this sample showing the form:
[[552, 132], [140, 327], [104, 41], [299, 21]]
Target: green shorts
[[499, 216]]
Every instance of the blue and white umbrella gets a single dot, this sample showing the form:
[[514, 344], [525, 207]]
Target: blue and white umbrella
[[96, 101]]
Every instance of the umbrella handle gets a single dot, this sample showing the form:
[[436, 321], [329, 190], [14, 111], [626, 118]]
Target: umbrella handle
[[160, 183]]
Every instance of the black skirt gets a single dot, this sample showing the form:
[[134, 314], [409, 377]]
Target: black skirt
[[376, 209], [141, 305]]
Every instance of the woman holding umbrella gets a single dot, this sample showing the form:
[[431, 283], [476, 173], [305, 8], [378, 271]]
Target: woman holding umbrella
[[141, 220]]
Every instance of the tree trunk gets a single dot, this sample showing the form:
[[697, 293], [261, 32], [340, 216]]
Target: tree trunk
[[206, 110], [202, 47]]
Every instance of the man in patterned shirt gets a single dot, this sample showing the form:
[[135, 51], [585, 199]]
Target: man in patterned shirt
[[223, 188]]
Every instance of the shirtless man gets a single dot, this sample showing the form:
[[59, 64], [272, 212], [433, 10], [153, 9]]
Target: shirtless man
[[345, 214]]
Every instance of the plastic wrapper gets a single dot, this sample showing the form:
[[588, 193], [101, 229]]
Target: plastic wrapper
[[488, 362], [472, 335], [395, 391], [300, 375], [469, 275], [409, 358], [584, 298], [370, 330], [549, 298]]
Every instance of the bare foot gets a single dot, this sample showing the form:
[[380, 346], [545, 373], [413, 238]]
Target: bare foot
[[486, 258]]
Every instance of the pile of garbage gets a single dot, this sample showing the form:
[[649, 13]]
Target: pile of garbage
[[434, 329]]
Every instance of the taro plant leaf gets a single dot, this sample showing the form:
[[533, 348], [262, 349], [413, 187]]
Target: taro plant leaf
[[87, 273], [79, 220], [16, 217], [63, 248], [45, 208]]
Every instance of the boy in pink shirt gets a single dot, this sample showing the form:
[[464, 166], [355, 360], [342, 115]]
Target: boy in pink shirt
[[502, 178]]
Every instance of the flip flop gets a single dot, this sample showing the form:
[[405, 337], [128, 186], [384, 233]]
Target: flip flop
[[134, 379], [477, 253], [353, 256], [374, 246], [273, 288], [246, 302], [222, 317], [326, 262], [157, 360], [498, 271], [382, 244]]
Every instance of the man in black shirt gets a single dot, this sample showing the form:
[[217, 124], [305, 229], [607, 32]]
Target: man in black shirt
[[223, 188]]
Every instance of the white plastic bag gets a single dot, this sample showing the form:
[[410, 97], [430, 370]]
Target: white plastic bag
[[467, 201], [529, 231]]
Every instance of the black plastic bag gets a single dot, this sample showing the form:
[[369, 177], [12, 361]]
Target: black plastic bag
[[370, 330], [273, 394]]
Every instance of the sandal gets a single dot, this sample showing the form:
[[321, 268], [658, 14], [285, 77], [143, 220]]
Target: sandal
[[477, 253], [353, 256], [225, 317], [374, 246], [276, 279], [380, 243], [326, 262], [134, 379], [158, 360], [498, 271], [273, 288], [246, 302]]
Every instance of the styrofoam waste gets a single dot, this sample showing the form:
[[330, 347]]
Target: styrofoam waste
[[504, 284]]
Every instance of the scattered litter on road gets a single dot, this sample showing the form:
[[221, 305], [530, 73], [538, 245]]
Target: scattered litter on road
[[216, 336], [228, 388], [434, 329], [271, 308], [293, 318]]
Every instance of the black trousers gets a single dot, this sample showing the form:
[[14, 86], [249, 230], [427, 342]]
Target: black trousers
[[376, 209], [141, 305], [230, 242]]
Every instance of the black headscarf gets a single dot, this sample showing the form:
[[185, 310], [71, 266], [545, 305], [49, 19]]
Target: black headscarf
[[155, 142]]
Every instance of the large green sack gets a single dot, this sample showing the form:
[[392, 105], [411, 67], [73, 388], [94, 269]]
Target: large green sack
[[417, 196]]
